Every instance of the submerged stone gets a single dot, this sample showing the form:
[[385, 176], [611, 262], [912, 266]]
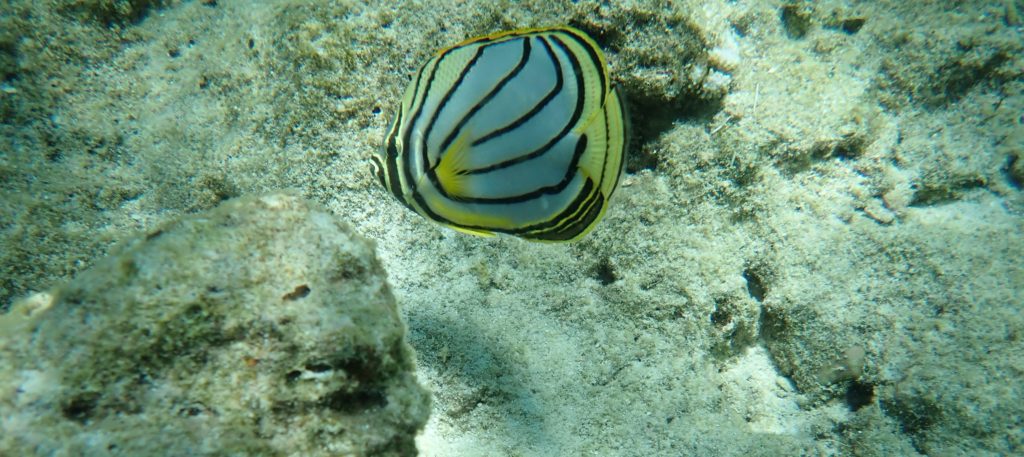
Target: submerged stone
[[263, 327]]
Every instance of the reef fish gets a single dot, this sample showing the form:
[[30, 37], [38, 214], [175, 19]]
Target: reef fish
[[519, 132]]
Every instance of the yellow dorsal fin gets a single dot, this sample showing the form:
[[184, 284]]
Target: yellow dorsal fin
[[454, 163]]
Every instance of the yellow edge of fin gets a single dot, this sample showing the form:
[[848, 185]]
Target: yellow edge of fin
[[483, 233], [618, 138]]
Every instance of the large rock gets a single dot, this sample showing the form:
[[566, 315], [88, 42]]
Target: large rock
[[263, 327]]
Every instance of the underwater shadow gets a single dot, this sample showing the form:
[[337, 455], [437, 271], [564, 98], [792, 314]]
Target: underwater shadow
[[459, 351]]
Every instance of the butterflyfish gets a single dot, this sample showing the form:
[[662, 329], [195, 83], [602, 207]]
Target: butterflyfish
[[519, 132]]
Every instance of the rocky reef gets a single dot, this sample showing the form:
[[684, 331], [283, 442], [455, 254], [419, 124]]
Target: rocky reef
[[262, 327]]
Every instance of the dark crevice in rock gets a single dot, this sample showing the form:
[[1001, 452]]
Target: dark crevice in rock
[[846, 148], [852, 25], [931, 195], [81, 407], [1014, 171], [962, 77], [651, 116], [795, 20], [357, 401], [755, 284], [604, 272], [299, 292], [859, 394], [318, 367]]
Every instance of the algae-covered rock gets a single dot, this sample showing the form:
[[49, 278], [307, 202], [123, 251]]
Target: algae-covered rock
[[263, 327]]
